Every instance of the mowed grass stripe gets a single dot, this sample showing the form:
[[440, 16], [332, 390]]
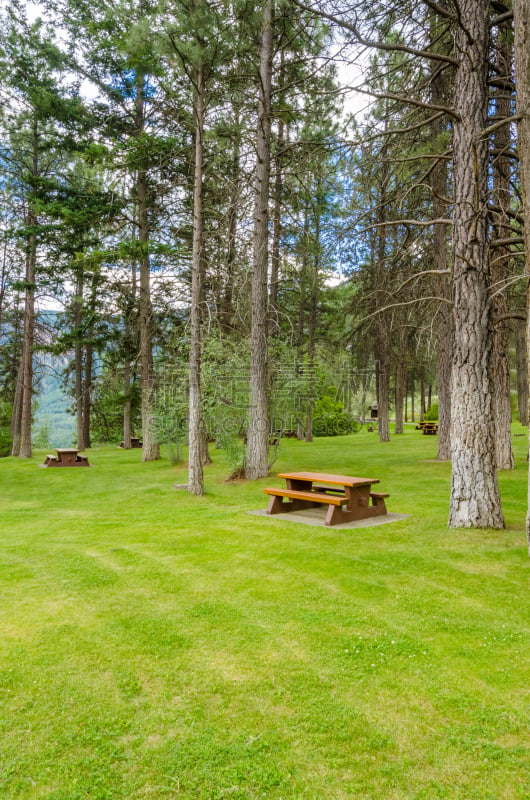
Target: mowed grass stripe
[[157, 645]]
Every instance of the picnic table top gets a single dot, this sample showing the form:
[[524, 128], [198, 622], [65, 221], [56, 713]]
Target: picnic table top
[[324, 477]]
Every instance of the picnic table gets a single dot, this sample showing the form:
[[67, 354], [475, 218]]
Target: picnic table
[[429, 428], [135, 443], [348, 498], [66, 457]]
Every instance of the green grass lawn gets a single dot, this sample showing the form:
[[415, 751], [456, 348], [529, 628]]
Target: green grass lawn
[[157, 645]]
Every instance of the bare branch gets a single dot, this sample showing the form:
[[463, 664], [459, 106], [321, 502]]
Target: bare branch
[[499, 19], [400, 131], [440, 10], [404, 303], [438, 156], [378, 45], [507, 241], [499, 124], [409, 100], [415, 222], [421, 274], [506, 212], [510, 315]]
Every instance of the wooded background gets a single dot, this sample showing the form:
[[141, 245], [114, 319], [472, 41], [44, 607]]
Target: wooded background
[[230, 252]]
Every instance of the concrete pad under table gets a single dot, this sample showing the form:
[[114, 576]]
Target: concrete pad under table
[[317, 518]]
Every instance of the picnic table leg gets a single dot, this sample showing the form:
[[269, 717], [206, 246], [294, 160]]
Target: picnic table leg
[[379, 505], [357, 507], [276, 506], [334, 515]]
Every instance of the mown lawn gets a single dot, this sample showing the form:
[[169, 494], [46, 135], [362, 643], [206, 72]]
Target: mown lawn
[[155, 645]]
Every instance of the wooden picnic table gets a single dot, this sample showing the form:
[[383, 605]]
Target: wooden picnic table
[[348, 498], [135, 443], [429, 428], [66, 457]]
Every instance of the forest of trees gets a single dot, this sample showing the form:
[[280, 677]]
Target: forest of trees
[[231, 251]]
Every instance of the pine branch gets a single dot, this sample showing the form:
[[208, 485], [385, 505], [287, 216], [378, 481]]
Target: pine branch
[[410, 101], [418, 223], [399, 48]]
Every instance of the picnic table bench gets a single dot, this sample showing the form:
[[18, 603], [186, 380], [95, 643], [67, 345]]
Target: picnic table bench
[[429, 428], [347, 498], [66, 457], [135, 442]]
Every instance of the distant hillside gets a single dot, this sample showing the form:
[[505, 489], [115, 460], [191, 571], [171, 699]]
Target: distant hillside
[[54, 424]]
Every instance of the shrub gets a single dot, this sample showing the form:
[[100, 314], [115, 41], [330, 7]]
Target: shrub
[[330, 419], [432, 414]]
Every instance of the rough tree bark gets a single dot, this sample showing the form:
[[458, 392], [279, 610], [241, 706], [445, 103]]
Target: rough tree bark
[[521, 15], [78, 359], [89, 363], [130, 341], [500, 269], [475, 499], [522, 371], [258, 430]]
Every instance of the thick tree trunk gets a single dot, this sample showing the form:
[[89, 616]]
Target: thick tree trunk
[[475, 499], [89, 364], [522, 371], [500, 270], [197, 439], [131, 354], [78, 367], [258, 431], [78, 360], [521, 15], [151, 447]]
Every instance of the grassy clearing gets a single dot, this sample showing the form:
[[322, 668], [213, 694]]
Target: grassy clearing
[[160, 646]]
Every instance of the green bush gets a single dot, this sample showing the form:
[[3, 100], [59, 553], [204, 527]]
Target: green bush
[[5, 429], [5, 441], [330, 419], [432, 414]]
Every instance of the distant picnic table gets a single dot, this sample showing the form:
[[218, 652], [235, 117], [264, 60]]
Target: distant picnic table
[[66, 457], [135, 443], [348, 498], [427, 428]]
